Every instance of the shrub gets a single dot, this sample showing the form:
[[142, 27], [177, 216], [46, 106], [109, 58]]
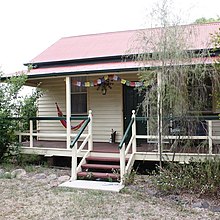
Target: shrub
[[201, 177], [11, 105], [8, 108], [28, 108]]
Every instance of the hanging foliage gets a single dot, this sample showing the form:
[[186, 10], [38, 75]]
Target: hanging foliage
[[188, 80]]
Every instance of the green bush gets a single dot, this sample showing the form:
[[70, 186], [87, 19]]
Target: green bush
[[6, 134], [9, 91], [28, 108], [11, 105], [201, 177]]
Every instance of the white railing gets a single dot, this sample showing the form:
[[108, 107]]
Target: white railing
[[84, 138], [32, 133], [210, 137], [76, 151], [124, 151]]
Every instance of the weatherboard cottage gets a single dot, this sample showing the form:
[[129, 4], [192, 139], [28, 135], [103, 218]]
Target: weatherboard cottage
[[89, 74]]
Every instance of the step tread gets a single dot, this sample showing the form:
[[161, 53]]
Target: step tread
[[100, 166], [98, 175], [107, 159]]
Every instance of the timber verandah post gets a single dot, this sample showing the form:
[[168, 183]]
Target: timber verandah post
[[210, 136], [134, 142], [90, 142], [68, 112], [122, 163], [31, 133], [74, 163]]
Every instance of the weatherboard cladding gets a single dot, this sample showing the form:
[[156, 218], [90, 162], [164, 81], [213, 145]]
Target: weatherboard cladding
[[108, 109]]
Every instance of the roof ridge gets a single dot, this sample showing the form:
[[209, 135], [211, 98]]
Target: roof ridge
[[139, 29], [103, 33]]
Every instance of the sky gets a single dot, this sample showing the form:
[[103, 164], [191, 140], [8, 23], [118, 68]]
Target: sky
[[28, 27]]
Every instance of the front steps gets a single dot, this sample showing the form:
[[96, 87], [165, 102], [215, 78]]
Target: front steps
[[98, 173], [100, 169]]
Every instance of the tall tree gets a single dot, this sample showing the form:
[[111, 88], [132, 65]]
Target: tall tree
[[216, 50], [203, 20], [169, 72]]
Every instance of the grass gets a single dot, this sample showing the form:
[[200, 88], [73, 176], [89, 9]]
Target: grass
[[35, 199]]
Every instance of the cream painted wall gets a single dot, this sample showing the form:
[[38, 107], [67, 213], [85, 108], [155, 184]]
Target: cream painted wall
[[107, 109]]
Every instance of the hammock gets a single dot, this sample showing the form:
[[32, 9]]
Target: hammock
[[63, 121]]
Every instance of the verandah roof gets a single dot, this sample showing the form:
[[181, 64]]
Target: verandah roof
[[108, 67]]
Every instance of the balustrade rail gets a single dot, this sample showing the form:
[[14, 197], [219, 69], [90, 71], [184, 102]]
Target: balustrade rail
[[126, 149], [88, 138], [75, 150]]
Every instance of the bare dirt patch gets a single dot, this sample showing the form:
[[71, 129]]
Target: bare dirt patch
[[35, 197]]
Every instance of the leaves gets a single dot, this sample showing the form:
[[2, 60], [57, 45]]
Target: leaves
[[188, 83], [199, 176], [11, 105]]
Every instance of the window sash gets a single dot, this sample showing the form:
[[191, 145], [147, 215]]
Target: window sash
[[78, 97]]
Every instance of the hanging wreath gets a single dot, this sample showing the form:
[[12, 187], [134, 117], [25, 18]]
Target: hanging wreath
[[106, 84]]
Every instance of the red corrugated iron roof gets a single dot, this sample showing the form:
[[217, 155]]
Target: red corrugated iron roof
[[114, 44], [86, 46]]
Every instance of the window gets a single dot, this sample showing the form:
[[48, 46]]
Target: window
[[200, 94], [78, 96]]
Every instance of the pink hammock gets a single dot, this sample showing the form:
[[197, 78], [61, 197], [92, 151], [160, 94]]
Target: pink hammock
[[63, 121]]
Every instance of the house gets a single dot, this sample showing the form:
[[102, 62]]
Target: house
[[92, 72]]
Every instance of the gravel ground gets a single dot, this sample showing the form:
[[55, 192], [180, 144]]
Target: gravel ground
[[35, 195]]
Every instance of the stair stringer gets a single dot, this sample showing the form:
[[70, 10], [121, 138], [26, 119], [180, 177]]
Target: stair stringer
[[130, 164], [83, 161]]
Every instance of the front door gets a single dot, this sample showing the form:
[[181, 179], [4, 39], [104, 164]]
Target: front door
[[131, 101]]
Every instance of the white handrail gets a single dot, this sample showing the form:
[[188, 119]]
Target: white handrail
[[83, 144], [88, 139], [48, 134], [125, 169], [173, 137], [208, 137]]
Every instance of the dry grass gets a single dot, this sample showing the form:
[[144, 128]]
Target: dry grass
[[29, 198]]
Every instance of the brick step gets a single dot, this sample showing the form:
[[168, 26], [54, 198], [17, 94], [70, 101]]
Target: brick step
[[100, 166], [96, 175]]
